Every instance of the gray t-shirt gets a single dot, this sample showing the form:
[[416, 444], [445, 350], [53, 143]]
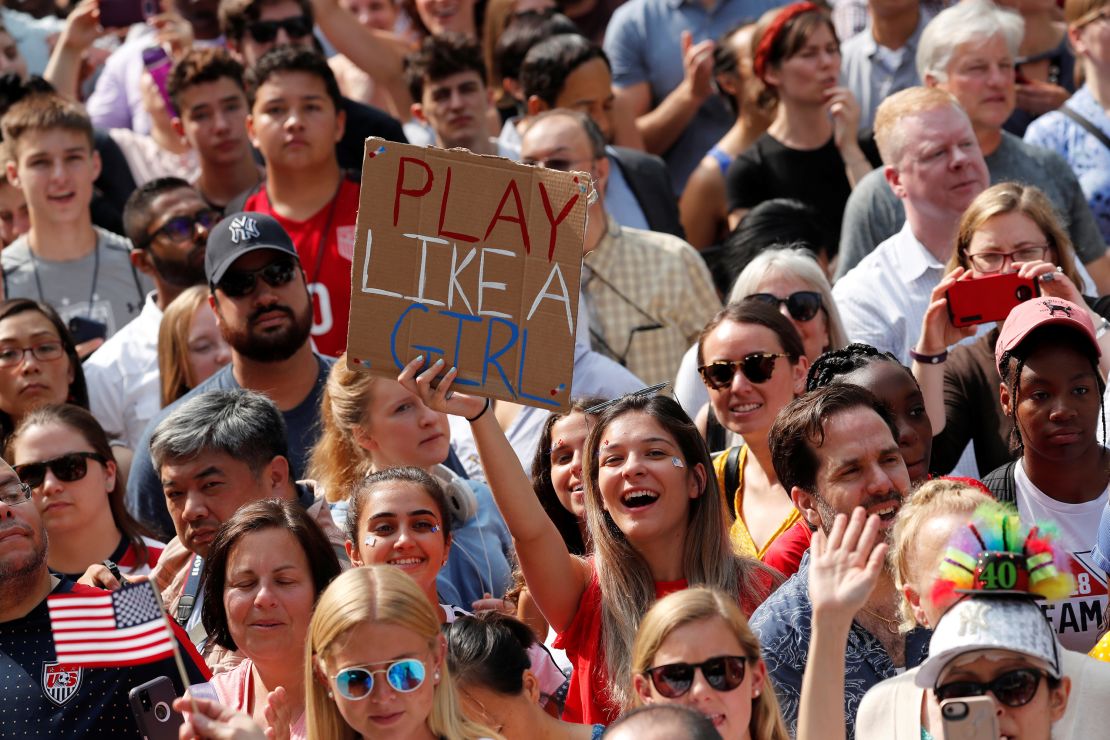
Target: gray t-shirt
[[874, 214], [105, 276]]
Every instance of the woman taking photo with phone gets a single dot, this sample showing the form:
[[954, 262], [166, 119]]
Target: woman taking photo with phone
[[1008, 228], [655, 519], [374, 665]]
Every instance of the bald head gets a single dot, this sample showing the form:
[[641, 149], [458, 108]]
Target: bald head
[[663, 722]]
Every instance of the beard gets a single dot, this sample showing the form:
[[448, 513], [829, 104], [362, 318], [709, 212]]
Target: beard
[[11, 572], [828, 513], [184, 272], [272, 346]]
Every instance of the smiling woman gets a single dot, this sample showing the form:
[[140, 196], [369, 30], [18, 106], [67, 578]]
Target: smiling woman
[[266, 568], [654, 515], [370, 425]]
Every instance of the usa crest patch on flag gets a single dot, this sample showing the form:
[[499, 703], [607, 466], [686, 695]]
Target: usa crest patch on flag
[[124, 627]]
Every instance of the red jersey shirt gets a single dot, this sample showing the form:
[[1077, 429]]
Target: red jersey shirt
[[325, 244]]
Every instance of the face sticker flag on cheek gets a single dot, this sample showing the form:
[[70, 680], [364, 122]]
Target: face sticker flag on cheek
[[677, 462]]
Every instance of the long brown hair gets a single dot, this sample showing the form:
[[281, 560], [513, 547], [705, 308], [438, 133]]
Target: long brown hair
[[337, 462], [625, 579], [85, 424]]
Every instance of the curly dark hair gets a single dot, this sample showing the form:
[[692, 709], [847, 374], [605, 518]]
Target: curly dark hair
[[826, 368]]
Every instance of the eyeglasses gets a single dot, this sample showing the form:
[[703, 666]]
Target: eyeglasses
[[723, 673], [802, 306], [13, 493], [264, 32], [994, 261], [1014, 688], [182, 228], [404, 676], [239, 283], [43, 352], [1095, 17], [67, 468], [757, 367]]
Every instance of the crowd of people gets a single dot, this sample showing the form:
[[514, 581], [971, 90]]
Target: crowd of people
[[835, 459]]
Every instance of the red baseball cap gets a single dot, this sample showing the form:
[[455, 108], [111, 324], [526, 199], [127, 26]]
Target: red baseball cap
[[1038, 312]]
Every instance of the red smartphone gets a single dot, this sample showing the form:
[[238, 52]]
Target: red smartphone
[[124, 13], [990, 298]]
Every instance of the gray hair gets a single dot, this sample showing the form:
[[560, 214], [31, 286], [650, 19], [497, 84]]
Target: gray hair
[[964, 22], [593, 133], [799, 262], [241, 424]]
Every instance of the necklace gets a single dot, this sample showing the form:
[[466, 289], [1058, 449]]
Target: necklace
[[890, 624]]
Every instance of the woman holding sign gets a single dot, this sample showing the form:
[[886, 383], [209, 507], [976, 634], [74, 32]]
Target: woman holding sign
[[654, 516], [371, 424]]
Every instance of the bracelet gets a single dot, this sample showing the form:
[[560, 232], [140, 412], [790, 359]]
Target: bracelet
[[929, 359], [478, 416]]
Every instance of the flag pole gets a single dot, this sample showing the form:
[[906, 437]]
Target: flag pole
[[176, 651]]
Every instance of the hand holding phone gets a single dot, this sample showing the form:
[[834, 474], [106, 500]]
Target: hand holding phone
[[124, 13], [990, 298], [152, 705]]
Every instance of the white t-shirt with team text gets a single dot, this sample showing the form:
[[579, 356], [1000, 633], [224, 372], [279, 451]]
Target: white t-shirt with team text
[[1075, 619]]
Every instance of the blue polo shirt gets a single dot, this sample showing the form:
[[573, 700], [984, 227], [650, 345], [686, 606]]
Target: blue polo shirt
[[644, 44]]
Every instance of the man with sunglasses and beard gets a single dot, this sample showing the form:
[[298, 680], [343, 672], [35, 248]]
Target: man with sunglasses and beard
[[935, 167], [42, 697], [263, 309], [835, 449], [167, 222]]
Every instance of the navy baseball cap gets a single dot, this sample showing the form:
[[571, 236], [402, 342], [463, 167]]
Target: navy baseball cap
[[239, 234]]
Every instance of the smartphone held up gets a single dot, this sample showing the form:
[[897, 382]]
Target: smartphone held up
[[990, 298]]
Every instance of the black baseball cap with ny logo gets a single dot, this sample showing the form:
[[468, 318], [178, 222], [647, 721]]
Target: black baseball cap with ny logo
[[239, 234]]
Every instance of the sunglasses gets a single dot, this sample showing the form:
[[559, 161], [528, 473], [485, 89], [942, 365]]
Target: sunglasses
[[1014, 689], [264, 32], [66, 468], [403, 675], [802, 306], [182, 228], [757, 367], [239, 283], [723, 673]]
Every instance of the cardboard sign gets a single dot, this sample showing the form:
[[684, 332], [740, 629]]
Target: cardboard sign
[[472, 259]]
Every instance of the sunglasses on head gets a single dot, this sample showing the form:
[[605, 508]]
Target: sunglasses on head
[[264, 32], [723, 673], [182, 228], [757, 367], [1014, 688], [402, 675], [66, 468], [239, 283], [802, 305]]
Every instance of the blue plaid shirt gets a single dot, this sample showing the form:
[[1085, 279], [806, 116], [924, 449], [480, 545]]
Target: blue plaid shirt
[[784, 624]]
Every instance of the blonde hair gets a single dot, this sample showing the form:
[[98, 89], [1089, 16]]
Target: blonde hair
[[1010, 197], [338, 462], [382, 594], [934, 498], [173, 343], [1079, 12], [693, 605], [889, 134], [624, 577]]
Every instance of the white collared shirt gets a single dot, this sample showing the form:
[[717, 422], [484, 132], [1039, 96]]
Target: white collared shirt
[[123, 378], [883, 299]]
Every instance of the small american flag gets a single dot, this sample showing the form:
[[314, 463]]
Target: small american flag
[[125, 627]]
